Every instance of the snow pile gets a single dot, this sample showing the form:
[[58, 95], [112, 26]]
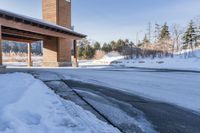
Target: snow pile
[[28, 106], [106, 60], [196, 52], [112, 56]]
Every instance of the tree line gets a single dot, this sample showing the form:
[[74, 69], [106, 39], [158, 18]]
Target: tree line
[[165, 43], [175, 40], [87, 50], [19, 47]]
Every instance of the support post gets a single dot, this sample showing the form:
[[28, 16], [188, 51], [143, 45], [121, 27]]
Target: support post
[[29, 55], [75, 53], [57, 52], [1, 59]]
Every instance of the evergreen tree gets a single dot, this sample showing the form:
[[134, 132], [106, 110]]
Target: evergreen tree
[[106, 47], [127, 42], [113, 45], [88, 52], [14, 48], [97, 46], [85, 50], [189, 38], [118, 46], [80, 50], [164, 34], [6, 47]]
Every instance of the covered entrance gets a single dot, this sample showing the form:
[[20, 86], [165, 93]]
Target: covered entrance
[[57, 40]]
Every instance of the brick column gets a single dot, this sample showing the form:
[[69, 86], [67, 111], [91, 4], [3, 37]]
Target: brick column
[[57, 52], [50, 49], [1, 60], [64, 52]]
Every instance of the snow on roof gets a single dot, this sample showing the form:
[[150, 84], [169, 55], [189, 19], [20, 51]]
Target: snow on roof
[[40, 22]]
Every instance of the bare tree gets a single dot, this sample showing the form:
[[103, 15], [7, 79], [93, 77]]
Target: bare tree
[[176, 37]]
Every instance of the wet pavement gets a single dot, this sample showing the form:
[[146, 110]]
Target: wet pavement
[[164, 117], [128, 112]]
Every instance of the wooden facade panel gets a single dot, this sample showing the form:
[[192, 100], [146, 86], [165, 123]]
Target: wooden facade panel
[[18, 39], [34, 29], [22, 34]]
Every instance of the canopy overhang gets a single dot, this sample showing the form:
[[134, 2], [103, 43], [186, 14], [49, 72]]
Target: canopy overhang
[[15, 25]]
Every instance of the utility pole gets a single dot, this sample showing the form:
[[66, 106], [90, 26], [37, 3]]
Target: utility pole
[[149, 31]]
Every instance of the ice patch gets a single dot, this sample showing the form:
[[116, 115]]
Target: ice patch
[[110, 108]]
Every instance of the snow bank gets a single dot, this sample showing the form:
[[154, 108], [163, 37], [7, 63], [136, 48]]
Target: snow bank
[[161, 63], [28, 106], [185, 60], [17, 61]]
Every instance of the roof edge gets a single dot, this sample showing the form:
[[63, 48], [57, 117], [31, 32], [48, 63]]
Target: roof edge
[[4, 13]]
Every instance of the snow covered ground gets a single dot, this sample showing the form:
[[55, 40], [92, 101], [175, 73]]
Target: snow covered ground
[[106, 60], [178, 88], [17, 61], [28, 106], [177, 62]]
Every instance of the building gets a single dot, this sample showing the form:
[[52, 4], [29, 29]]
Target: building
[[54, 30]]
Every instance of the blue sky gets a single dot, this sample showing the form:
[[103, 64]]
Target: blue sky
[[106, 20]]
